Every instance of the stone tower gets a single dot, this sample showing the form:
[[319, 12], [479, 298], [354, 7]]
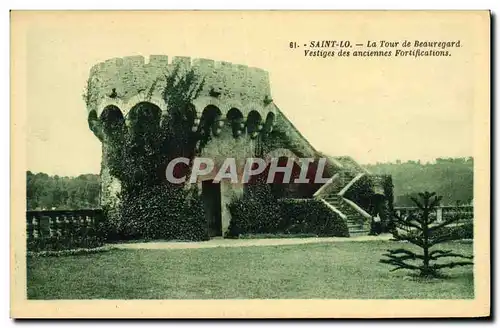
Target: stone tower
[[234, 106]]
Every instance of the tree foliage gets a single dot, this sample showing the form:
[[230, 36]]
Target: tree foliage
[[423, 231], [62, 193], [450, 177]]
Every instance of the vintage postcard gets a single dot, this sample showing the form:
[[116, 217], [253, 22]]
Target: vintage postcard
[[250, 164]]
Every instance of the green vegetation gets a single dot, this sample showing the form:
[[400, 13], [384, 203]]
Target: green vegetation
[[311, 216], [423, 230], [259, 212], [75, 240], [139, 153], [47, 192], [457, 232], [349, 270], [450, 177], [161, 212], [151, 208]]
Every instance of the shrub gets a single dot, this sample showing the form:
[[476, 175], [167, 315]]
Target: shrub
[[162, 212], [463, 231], [60, 243], [257, 211], [265, 215], [308, 216]]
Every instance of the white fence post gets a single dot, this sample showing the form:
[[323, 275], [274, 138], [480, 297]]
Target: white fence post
[[439, 214]]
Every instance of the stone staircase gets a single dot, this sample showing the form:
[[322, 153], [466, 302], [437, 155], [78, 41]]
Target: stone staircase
[[356, 223], [358, 220]]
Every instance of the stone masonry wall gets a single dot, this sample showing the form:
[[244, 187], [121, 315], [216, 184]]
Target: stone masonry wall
[[132, 79]]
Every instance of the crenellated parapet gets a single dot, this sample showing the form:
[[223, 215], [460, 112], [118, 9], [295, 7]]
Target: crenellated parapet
[[125, 82]]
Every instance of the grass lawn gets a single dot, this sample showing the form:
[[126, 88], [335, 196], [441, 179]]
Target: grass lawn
[[344, 270]]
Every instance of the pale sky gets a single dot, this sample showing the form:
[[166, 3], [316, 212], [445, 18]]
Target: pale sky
[[373, 109]]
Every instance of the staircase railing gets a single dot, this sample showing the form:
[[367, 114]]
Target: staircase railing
[[333, 208], [327, 187], [358, 209], [350, 184]]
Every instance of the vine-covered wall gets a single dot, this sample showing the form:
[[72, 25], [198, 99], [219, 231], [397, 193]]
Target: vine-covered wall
[[138, 201]]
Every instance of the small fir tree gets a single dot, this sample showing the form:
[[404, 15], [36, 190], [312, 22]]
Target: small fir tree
[[423, 231]]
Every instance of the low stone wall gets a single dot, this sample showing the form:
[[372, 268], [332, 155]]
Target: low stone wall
[[442, 213], [61, 230]]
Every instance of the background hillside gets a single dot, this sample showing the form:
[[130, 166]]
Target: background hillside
[[451, 178], [55, 192]]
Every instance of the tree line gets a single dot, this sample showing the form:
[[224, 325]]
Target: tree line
[[452, 178], [44, 192]]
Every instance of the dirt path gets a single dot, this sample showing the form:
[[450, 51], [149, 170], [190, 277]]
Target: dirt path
[[219, 242]]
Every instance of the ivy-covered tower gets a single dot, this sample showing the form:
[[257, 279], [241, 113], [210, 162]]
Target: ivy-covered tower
[[208, 109]]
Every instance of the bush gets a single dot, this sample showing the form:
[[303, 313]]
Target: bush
[[307, 216], [260, 214], [463, 231], [257, 211], [162, 212], [61, 243]]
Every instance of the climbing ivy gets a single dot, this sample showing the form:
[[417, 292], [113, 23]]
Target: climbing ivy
[[137, 154]]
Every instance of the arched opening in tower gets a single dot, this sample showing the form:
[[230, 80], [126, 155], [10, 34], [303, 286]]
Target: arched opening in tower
[[144, 126], [209, 123], [235, 120], [254, 124], [112, 121], [144, 118]]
